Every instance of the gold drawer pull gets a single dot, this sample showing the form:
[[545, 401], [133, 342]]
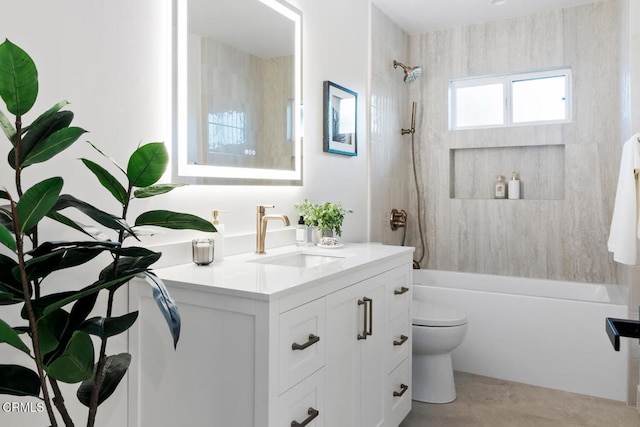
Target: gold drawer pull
[[368, 309], [403, 339], [402, 290], [403, 389], [312, 340], [312, 414]]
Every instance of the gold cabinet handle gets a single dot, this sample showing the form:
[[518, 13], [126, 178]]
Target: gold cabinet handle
[[370, 301], [312, 414], [368, 309], [312, 340], [402, 290], [363, 335], [403, 339], [403, 389]]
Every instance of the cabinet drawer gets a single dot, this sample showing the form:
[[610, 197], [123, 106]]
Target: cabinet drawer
[[304, 402], [399, 290], [398, 393], [302, 343], [399, 342]]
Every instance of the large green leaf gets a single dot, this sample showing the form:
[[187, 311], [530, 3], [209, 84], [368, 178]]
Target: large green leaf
[[37, 201], [126, 265], [76, 362], [105, 327], [108, 181], [54, 144], [45, 116], [115, 368], [167, 306], [110, 158], [17, 380], [155, 190], [51, 329], [174, 220], [53, 256], [52, 302], [79, 312], [135, 252], [62, 219], [9, 285], [9, 336], [101, 217], [147, 164], [5, 218], [49, 247], [6, 238], [38, 133], [18, 79], [7, 128]]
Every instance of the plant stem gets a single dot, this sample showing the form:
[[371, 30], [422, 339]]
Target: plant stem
[[33, 322], [17, 151], [99, 374], [99, 377], [58, 400]]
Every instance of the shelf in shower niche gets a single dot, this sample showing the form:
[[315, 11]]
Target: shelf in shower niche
[[540, 168]]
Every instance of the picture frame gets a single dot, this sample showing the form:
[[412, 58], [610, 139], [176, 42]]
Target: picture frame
[[340, 120]]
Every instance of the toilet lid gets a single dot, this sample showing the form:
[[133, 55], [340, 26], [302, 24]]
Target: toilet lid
[[428, 314]]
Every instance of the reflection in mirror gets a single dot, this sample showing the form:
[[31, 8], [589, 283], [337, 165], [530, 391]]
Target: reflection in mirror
[[238, 92]]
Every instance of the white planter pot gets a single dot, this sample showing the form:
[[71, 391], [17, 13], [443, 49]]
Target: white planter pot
[[317, 234]]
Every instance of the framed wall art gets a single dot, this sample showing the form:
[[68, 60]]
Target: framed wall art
[[340, 120]]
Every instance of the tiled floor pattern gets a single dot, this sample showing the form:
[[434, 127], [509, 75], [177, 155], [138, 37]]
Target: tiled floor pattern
[[490, 402]]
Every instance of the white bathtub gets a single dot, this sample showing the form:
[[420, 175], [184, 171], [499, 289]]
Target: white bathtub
[[541, 332]]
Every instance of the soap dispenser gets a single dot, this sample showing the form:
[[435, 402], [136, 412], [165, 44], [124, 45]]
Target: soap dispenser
[[514, 187], [301, 233], [218, 236]]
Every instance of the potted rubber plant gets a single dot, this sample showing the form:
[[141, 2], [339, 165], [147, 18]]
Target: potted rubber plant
[[56, 328], [326, 218]]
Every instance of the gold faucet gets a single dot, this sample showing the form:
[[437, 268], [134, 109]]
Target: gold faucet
[[261, 226]]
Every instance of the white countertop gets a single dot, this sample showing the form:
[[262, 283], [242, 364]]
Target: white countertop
[[254, 276]]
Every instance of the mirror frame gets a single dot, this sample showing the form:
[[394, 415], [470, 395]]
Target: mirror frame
[[209, 174]]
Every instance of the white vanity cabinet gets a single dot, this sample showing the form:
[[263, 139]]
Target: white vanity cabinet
[[356, 354], [314, 350]]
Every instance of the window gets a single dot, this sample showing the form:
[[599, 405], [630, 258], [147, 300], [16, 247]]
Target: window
[[508, 100], [226, 128]]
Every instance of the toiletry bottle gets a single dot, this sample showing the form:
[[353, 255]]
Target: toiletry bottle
[[500, 188], [301, 233], [514, 187], [218, 237]]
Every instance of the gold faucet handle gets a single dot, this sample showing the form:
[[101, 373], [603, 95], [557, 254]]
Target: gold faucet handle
[[261, 208]]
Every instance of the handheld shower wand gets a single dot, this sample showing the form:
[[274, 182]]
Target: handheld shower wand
[[411, 130]]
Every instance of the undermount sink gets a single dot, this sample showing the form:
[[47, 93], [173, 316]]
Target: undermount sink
[[298, 259]]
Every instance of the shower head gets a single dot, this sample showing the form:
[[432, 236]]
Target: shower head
[[410, 73]]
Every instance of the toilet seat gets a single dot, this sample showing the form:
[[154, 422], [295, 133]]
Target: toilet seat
[[428, 314]]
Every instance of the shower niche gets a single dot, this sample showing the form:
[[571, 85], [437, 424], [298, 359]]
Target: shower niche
[[540, 168]]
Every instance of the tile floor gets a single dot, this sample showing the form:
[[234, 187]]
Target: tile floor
[[490, 402]]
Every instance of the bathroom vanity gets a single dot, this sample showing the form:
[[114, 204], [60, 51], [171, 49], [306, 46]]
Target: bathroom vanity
[[296, 337]]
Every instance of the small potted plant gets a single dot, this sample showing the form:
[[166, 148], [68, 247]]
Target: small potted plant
[[326, 219]]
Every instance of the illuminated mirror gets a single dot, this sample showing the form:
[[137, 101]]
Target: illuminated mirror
[[238, 115]]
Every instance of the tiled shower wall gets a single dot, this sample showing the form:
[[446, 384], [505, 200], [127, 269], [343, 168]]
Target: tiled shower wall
[[390, 111], [559, 234]]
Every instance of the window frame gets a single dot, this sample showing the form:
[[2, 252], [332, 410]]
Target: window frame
[[507, 80]]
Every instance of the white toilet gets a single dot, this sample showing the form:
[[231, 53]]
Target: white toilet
[[437, 330]]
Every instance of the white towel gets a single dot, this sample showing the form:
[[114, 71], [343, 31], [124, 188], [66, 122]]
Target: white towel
[[624, 224]]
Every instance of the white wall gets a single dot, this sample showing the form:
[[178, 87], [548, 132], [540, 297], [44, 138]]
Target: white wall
[[109, 59]]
